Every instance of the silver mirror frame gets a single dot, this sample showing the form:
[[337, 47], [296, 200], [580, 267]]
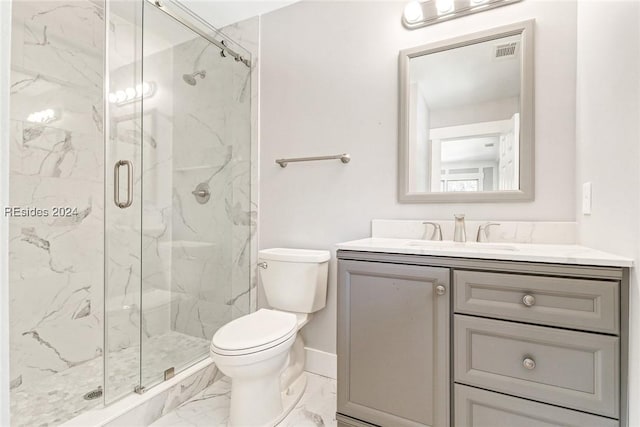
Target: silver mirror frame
[[527, 108]]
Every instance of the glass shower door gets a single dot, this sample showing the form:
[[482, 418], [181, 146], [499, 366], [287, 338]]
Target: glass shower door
[[123, 207], [178, 219], [195, 192]]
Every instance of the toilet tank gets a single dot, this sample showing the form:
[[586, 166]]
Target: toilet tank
[[294, 279]]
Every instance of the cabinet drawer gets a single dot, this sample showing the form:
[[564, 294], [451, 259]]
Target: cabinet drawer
[[578, 370], [572, 303], [481, 408]]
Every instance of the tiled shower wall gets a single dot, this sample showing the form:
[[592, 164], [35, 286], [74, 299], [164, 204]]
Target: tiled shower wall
[[192, 282], [245, 249], [56, 263], [211, 137]]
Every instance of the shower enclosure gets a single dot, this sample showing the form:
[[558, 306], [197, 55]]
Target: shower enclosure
[[130, 173]]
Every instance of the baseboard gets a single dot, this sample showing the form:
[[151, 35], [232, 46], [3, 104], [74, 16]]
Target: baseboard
[[321, 363]]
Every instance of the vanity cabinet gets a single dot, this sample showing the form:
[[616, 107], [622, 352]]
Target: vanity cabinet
[[530, 344], [393, 344]]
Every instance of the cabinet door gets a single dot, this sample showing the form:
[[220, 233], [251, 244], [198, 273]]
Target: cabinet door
[[393, 343]]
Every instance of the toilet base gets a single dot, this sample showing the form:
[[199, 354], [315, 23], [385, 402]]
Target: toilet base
[[290, 398]]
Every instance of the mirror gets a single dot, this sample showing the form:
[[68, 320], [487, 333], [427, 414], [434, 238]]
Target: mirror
[[466, 118]]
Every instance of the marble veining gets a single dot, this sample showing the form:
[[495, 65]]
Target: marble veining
[[59, 397], [55, 266], [210, 408], [182, 267], [194, 260]]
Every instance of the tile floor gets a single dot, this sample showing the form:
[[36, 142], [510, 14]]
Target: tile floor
[[59, 397], [210, 408]]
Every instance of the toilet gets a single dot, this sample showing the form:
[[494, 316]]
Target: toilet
[[263, 352]]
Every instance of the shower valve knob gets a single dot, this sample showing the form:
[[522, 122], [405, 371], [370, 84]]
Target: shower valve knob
[[202, 193]]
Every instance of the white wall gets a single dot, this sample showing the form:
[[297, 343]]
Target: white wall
[[329, 84], [608, 144], [5, 59], [221, 13]]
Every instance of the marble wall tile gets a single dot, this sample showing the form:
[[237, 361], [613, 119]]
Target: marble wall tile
[[56, 269], [170, 264], [551, 232], [247, 34], [213, 125], [138, 263]]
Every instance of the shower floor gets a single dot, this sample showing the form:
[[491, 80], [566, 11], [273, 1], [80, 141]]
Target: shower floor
[[60, 397]]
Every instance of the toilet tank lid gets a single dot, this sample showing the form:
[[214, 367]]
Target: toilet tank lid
[[294, 255]]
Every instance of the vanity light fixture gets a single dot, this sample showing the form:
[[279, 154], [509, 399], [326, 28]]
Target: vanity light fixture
[[130, 94], [45, 116], [419, 14]]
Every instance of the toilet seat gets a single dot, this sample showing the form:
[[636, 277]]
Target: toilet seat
[[254, 332]]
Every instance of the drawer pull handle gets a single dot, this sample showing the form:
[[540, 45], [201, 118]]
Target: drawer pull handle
[[529, 300], [441, 290], [529, 363]]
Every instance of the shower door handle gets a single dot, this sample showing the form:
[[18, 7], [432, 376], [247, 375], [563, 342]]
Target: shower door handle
[[116, 184]]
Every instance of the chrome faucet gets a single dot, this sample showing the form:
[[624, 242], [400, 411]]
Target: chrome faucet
[[459, 233], [483, 231], [437, 231]]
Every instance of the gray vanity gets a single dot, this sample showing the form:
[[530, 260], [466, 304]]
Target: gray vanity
[[468, 340]]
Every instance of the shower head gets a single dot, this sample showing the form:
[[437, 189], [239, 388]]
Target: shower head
[[190, 79]]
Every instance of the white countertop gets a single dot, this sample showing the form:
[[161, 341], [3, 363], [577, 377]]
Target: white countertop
[[557, 254]]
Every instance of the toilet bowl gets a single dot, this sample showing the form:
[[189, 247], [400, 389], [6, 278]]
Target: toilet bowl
[[254, 350], [262, 352]]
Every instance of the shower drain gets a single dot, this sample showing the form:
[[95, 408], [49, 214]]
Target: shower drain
[[93, 394]]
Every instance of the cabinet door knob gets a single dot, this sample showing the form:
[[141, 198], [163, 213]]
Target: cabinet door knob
[[441, 290], [529, 300], [529, 363]]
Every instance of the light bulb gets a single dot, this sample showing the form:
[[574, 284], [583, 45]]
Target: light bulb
[[121, 96], [131, 93], [146, 88], [477, 2], [413, 12], [444, 6], [138, 90], [44, 116], [113, 98]]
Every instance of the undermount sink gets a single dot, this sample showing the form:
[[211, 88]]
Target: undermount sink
[[435, 244]]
